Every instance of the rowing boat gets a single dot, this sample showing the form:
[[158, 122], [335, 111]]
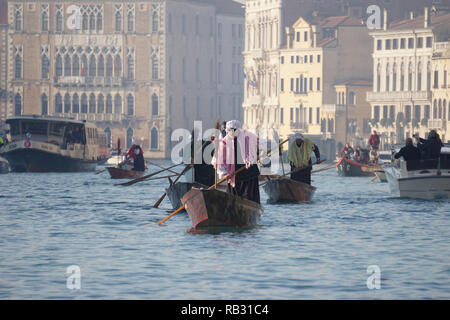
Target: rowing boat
[[215, 208], [118, 173], [348, 168], [177, 190], [288, 190]]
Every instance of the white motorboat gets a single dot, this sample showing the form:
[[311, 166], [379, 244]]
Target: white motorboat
[[428, 180]]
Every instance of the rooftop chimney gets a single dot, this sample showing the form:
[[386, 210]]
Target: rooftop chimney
[[288, 37], [384, 19], [426, 17]]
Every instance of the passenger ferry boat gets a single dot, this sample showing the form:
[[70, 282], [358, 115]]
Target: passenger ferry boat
[[424, 179], [51, 144]]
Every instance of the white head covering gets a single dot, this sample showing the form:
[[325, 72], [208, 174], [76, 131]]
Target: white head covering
[[299, 135], [233, 124]]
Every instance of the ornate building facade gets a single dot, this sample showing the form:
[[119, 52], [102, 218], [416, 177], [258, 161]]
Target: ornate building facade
[[137, 69]]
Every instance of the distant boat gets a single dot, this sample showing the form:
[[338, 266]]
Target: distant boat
[[215, 208], [124, 173], [51, 144], [349, 168], [288, 190], [427, 180]]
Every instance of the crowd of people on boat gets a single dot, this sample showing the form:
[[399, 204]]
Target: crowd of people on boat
[[363, 155], [74, 135], [134, 158], [425, 152]]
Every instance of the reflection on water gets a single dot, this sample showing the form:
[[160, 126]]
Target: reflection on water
[[49, 222]]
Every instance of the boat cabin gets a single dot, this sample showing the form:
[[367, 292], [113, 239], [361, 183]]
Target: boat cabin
[[442, 163]]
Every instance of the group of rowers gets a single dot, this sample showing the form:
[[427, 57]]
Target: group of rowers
[[134, 158], [236, 148], [361, 155]]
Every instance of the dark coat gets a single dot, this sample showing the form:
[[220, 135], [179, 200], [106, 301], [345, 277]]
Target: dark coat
[[430, 148], [411, 154]]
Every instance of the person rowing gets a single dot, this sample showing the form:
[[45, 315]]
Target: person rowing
[[299, 156]]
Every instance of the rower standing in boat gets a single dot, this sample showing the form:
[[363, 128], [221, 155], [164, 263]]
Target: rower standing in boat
[[237, 149], [203, 172], [299, 155]]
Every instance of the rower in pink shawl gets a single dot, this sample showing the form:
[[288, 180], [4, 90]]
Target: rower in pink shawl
[[239, 148]]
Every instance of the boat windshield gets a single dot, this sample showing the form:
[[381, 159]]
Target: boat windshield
[[431, 164]]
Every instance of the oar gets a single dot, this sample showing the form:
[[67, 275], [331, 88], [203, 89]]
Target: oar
[[211, 187], [100, 171], [373, 178], [323, 169], [157, 203], [129, 183], [293, 171], [157, 178], [161, 167]]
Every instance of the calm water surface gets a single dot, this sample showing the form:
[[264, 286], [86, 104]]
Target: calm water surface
[[316, 251]]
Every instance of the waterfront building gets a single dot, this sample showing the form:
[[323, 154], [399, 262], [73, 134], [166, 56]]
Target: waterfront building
[[3, 62], [401, 100], [137, 69]]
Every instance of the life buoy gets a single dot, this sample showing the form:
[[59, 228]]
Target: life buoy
[[27, 143]]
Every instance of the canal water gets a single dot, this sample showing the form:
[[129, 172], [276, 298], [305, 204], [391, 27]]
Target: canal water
[[353, 231]]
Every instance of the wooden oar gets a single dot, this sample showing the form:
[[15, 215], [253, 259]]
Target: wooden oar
[[161, 167], [157, 203], [211, 187], [373, 178], [100, 171], [293, 171], [157, 178], [129, 183], [323, 169]]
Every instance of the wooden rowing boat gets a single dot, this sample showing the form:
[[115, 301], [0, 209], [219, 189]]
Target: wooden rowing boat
[[288, 190], [118, 173], [348, 168], [215, 208]]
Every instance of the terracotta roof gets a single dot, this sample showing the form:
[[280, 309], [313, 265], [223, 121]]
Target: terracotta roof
[[333, 22], [3, 12], [418, 22], [325, 41]]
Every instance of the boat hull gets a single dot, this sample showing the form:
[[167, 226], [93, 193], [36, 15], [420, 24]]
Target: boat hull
[[419, 184], [33, 160], [214, 208], [117, 173], [288, 190], [177, 190], [349, 168]]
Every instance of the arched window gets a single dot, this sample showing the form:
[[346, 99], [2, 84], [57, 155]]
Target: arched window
[[117, 66], [439, 109], [75, 104], [429, 76], [100, 104], [444, 109], [435, 109], [154, 104], [92, 102], [83, 65], [387, 77], [44, 104], [58, 103], [130, 68], [17, 105], [351, 98], [129, 137], [18, 67], [154, 139], [155, 21], [130, 26], [394, 77], [118, 22], [75, 66], [45, 64], [155, 67], [67, 66], [419, 76], [410, 72], [379, 77], [130, 105], [66, 103], [18, 21], [92, 21], [44, 21], [101, 66], [109, 66], [58, 66], [117, 104], [84, 22], [402, 77], [59, 21], [108, 103], [99, 21], [92, 66], [84, 103]]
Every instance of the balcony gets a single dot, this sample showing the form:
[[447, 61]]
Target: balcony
[[333, 108], [398, 96], [299, 126], [91, 81], [437, 124]]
